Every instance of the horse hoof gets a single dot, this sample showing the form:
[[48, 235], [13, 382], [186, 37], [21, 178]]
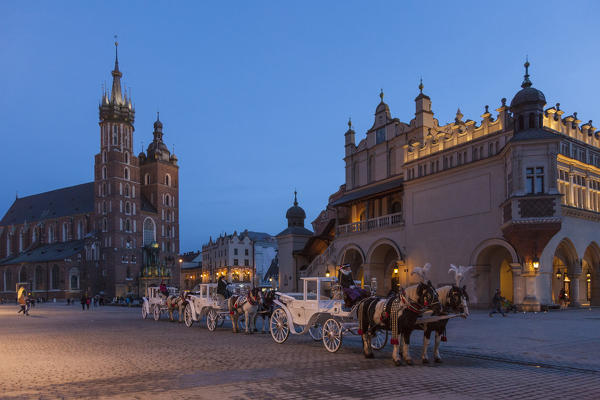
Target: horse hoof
[[438, 360], [409, 362], [398, 363], [425, 361], [370, 355]]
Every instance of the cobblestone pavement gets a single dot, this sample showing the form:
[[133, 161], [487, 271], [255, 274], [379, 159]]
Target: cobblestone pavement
[[62, 352]]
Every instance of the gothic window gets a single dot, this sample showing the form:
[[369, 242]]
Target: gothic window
[[149, 233], [168, 180], [34, 235], [65, 232], [104, 189], [39, 277], [167, 200], [55, 277], [127, 208], [74, 279], [147, 179], [104, 156], [104, 225], [104, 207], [126, 158], [103, 172], [50, 234], [79, 230], [115, 135], [126, 135], [126, 190], [126, 173]]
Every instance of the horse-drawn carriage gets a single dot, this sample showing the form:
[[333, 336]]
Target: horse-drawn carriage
[[155, 303], [204, 301], [318, 312]]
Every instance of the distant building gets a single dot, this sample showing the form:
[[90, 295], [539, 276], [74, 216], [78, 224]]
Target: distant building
[[114, 235], [190, 265], [243, 257], [516, 196]]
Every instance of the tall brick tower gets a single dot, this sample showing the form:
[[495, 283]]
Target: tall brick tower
[[117, 192]]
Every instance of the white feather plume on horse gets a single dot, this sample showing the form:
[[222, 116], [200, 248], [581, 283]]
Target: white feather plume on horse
[[422, 272], [459, 272]]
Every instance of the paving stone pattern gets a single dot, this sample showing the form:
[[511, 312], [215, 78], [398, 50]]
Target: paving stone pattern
[[110, 352]]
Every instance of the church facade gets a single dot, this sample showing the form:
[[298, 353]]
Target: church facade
[[516, 196], [112, 236]]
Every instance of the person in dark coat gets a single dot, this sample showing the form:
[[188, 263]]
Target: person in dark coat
[[497, 304], [222, 287], [83, 301]]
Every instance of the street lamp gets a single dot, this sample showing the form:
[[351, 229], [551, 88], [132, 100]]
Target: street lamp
[[536, 263]]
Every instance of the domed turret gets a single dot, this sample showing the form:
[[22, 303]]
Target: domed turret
[[295, 214], [528, 105]]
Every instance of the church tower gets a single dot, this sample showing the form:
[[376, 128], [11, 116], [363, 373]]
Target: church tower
[[117, 190], [160, 188]]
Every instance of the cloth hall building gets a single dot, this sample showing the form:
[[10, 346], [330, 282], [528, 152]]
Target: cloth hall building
[[111, 236], [516, 196]]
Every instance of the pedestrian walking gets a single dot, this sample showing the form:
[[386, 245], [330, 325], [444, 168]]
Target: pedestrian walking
[[87, 301], [83, 301], [497, 304], [22, 299], [563, 299]]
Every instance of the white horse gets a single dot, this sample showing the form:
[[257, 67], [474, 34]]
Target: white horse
[[176, 302], [248, 306]]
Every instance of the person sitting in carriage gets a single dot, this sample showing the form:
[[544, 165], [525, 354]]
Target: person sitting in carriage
[[352, 293], [222, 287], [163, 289]]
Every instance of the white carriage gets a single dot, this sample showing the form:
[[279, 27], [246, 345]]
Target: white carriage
[[205, 302], [155, 303], [315, 311]]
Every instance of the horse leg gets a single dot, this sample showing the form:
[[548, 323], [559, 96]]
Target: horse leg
[[396, 354], [248, 322], [367, 351], [426, 337], [234, 321], [436, 349], [405, 348]]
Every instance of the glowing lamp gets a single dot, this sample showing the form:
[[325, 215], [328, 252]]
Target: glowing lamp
[[558, 274], [395, 270], [536, 263], [327, 274]]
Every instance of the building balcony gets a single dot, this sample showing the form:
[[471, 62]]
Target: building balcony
[[383, 222]]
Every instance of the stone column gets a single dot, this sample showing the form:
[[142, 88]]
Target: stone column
[[574, 291], [518, 283]]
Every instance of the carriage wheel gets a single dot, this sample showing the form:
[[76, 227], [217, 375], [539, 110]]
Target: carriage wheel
[[316, 332], [379, 340], [156, 312], [144, 312], [187, 316], [332, 335], [211, 320], [279, 327]]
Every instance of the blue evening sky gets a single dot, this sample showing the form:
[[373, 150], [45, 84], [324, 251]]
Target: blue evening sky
[[256, 95]]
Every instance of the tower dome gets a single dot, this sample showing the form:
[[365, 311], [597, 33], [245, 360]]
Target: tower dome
[[295, 214], [527, 105]]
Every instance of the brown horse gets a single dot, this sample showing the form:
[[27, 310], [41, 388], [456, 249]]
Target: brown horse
[[176, 302]]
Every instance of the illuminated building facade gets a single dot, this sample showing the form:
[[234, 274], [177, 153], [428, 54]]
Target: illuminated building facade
[[517, 196]]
